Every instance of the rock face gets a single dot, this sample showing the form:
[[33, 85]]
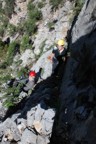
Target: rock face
[[33, 122], [78, 91], [60, 21], [46, 65]]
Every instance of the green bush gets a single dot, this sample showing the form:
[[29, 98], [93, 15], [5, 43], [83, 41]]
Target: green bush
[[50, 25], [1, 10], [3, 65], [9, 7], [34, 15], [78, 6], [55, 3], [5, 78], [40, 5], [1, 44], [23, 72], [11, 29], [25, 43], [30, 27], [11, 95], [3, 24], [3, 52], [11, 53]]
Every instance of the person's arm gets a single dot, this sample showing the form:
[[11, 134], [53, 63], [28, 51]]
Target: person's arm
[[51, 56]]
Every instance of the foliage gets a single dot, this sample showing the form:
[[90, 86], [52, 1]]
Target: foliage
[[33, 16], [78, 6], [5, 78], [3, 65], [3, 51], [40, 5], [33, 12], [11, 95], [23, 72], [1, 10], [9, 7], [50, 25], [55, 3], [11, 53], [12, 29], [30, 27], [1, 44], [25, 43], [3, 23]]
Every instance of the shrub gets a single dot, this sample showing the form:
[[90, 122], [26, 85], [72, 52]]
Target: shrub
[[11, 53], [11, 95], [30, 27], [3, 52], [33, 12], [3, 65], [78, 6], [3, 24], [5, 78], [9, 7], [11, 29], [23, 72], [50, 26], [40, 5], [25, 43], [33, 16], [1, 44], [55, 3]]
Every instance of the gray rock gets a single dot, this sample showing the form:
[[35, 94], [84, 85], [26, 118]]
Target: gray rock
[[28, 137], [30, 118], [41, 140], [9, 131], [27, 57], [46, 129], [81, 113], [49, 115], [15, 116], [45, 64], [39, 113]]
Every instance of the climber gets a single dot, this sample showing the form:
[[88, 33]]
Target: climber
[[59, 52], [31, 81]]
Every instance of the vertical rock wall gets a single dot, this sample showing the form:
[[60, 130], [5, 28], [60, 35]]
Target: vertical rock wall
[[78, 91]]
